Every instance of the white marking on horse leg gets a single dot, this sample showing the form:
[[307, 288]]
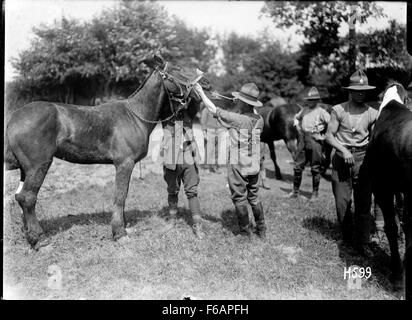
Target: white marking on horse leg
[[20, 187]]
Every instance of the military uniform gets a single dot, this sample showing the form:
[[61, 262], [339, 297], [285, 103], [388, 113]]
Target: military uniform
[[213, 130], [353, 133], [244, 157], [313, 123], [180, 164]]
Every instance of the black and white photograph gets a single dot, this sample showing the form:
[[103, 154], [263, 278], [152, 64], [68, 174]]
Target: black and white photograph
[[207, 150]]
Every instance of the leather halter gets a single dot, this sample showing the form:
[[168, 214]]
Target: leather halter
[[183, 97]]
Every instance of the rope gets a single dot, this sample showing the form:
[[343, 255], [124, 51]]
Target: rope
[[147, 120], [222, 96]]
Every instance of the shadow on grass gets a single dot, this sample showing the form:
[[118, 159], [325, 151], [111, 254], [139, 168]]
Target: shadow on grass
[[228, 220], [56, 225], [182, 214], [306, 194], [379, 263], [271, 174]]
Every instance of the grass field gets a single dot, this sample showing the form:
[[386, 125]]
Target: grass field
[[162, 259]]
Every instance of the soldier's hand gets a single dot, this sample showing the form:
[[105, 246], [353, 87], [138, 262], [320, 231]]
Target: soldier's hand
[[349, 160], [198, 88]]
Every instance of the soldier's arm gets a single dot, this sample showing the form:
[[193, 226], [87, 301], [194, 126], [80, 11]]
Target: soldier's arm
[[333, 126], [226, 118]]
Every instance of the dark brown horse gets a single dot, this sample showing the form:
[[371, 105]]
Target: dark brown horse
[[388, 167], [278, 125], [112, 133]]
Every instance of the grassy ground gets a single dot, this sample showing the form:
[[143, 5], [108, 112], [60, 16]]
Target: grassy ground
[[162, 259]]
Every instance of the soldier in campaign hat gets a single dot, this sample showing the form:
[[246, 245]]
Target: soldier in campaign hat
[[311, 123], [348, 133], [244, 127]]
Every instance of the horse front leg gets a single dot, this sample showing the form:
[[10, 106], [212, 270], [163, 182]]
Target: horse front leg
[[27, 198], [124, 171]]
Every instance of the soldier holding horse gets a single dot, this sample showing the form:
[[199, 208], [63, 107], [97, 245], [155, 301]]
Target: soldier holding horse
[[112, 133]]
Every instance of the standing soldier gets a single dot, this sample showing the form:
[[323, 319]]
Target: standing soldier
[[243, 169], [311, 123], [348, 132], [180, 163]]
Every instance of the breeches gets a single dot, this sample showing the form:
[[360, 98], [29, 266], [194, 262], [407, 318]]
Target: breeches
[[243, 188], [186, 173]]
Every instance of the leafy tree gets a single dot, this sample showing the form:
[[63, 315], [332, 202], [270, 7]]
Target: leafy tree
[[327, 59], [73, 62], [236, 49], [60, 56], [274, 71], [259, 60], [319, 22], [385, 47]]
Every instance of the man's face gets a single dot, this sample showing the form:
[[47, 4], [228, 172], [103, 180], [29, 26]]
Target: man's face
[[242, 107], [358, 96], [312, 103]]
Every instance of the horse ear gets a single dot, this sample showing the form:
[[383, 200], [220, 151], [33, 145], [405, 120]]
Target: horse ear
[[158, 59]]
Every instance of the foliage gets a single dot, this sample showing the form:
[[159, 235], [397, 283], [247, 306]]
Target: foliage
[[258, 60], [326, 57], [385, 47], [70, 60]]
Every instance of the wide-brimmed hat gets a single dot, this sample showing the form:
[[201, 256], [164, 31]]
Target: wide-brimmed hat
[[359, 81], [313, 94], [248, 94]]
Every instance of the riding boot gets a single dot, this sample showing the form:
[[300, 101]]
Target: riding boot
[[260, 220], [263, 179], [172, 199], [315, 186], [243, 218], [194, 207], [297, 179]]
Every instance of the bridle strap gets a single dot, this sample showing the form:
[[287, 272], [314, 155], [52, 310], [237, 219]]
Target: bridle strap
[[184, 101]]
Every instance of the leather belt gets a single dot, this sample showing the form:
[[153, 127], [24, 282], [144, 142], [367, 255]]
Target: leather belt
[[356, 149]]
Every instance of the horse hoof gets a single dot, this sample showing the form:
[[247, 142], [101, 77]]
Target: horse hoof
[[118, 234], [123, 239], [33, 237]]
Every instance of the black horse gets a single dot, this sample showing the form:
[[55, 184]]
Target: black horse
[[388, 167], [112, 133], [278, 125]]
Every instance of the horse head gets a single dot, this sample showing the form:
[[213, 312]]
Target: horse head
[[178, 82]]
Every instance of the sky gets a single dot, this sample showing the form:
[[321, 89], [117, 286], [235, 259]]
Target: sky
[[220, 17]]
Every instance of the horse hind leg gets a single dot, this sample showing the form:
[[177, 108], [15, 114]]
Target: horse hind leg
[[273, 157], [123, 173], [385, 202], [27, 199], [407, 229], [21, 183]]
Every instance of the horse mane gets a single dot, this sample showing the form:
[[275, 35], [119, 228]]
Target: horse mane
[[141, 85], [399, 88]]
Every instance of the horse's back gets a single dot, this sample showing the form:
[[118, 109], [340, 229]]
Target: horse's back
[[278, 122], [390, 148]]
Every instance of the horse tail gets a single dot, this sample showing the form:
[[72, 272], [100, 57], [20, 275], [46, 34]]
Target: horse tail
[[10, 159]]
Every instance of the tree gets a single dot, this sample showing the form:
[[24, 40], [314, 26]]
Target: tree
[[259, 60], [73, 62], [274, 71], [60, 57], [319, 22]]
